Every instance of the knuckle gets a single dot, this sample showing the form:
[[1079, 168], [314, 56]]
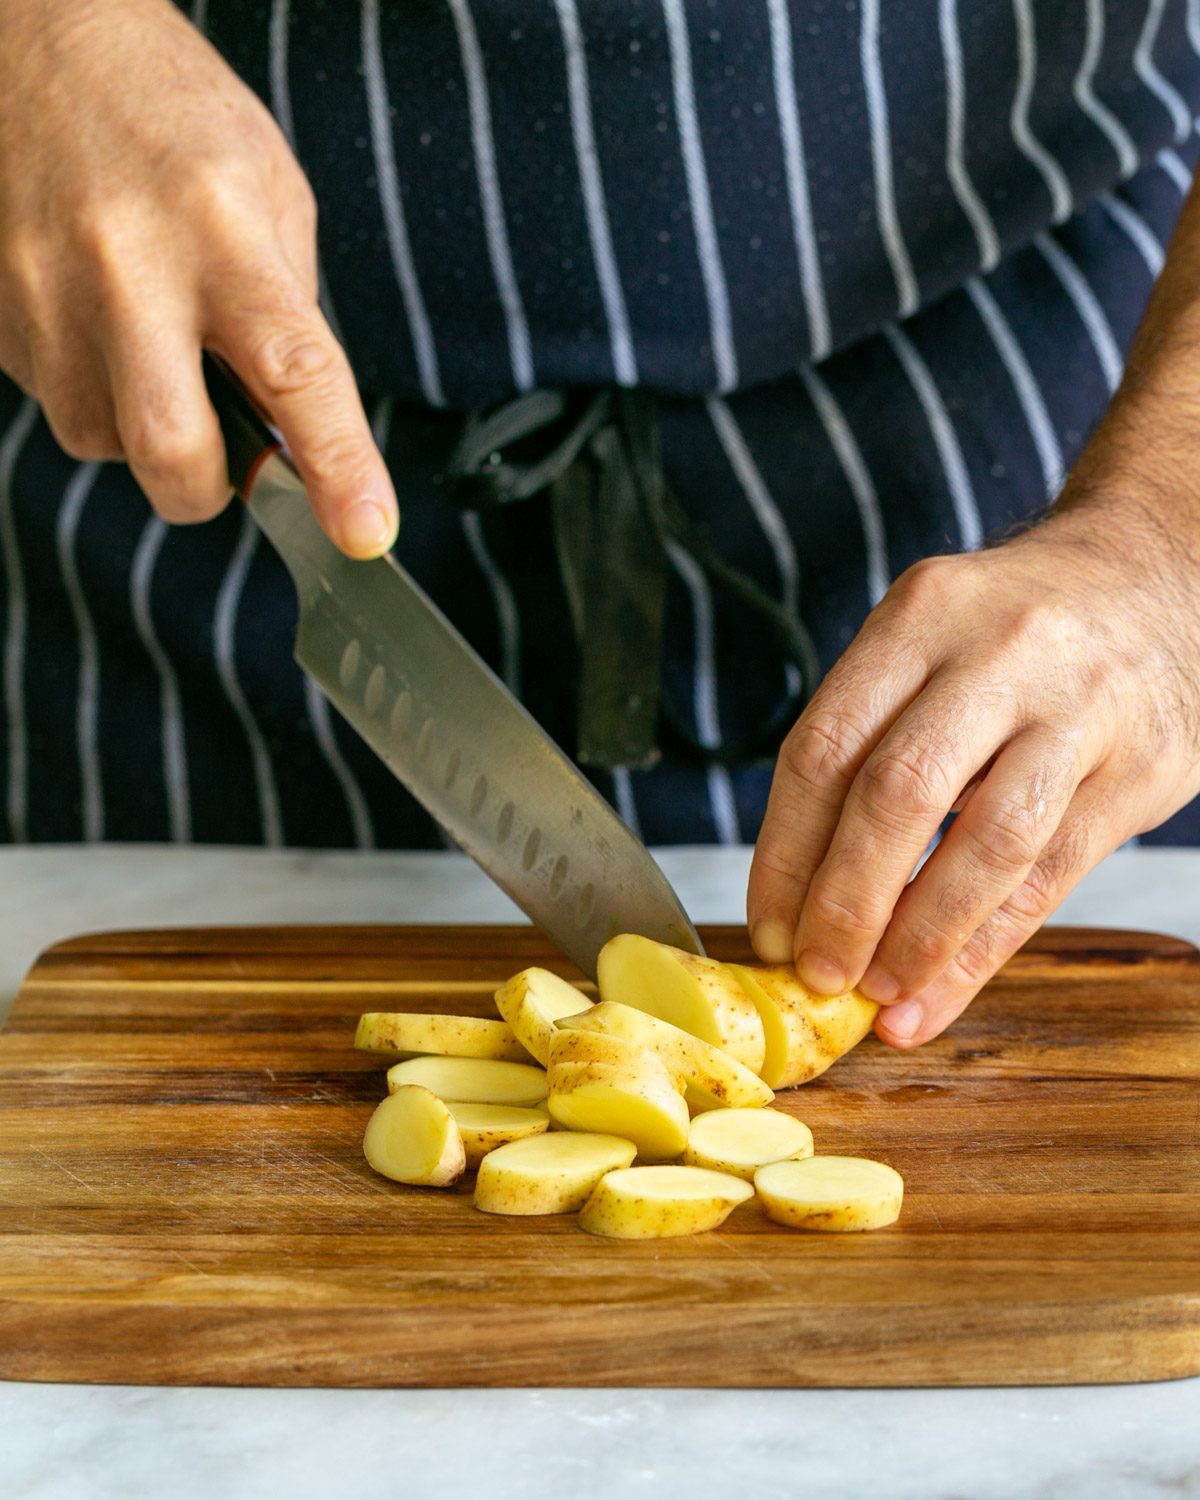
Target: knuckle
[[926, 944], [216, 188], [24, 263], [294, 359], [821, 748], [831, 909], [906, 783], [777, 860], [107, 240], [173, 449], [1009, 840], [90, 442], [1033, 901], [976, 962], [927, 583]]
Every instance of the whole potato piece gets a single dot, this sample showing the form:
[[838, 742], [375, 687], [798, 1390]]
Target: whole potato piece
[[643, 1203], [409, 1034], [742, 1140], [487, 1127], [532, 1001], [412, 1137], [837, 1193], [547, 1174], [472, 1080]]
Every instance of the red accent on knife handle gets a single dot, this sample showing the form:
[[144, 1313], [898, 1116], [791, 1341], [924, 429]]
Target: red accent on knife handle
[[248, 439]]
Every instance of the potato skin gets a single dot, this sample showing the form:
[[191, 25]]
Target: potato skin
[[617, 1209], [804, 1033], [532, 1001], [401, 1034], [871, 1199], [535, 1176]]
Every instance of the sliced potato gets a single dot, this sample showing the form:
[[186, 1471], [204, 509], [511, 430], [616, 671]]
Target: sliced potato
[[412, 1137], [830, 1193], [714, 1078], [613, 1051], [804, 1033], [742, 1140], [547, 1174], [405, 1034], [472, 1080], [640, 1105], [696, 994], [532, 1001], [486, 1127], [644, 1203]]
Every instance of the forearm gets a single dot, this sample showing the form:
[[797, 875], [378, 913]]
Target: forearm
[[1140, 467]]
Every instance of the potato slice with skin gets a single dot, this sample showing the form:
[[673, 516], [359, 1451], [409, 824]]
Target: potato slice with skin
[[830, 1193], [532, 1001], [412, 1137], [645, 1203], [547, 1174], [805, 1033], [742, 1140], [642, 1106], [486, 1127], [714, 1079], [409, 1034], [472, 1080], [613, 1051], [696, 994]]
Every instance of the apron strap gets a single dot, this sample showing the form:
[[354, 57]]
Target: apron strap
[[596, 456]]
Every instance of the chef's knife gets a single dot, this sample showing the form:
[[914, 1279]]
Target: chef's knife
[[445, 724]]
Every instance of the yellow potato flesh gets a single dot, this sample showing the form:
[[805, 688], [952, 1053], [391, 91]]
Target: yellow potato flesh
[[404, 1034], [742, 1140], [472, 1080], [696, 994], [642, 1203], [547, 1174], [486, 1127], [657, 1124], [635, 1097], [714, 1078], [804, 1033], [532, 1001], [838, 1193], [412, 1137]]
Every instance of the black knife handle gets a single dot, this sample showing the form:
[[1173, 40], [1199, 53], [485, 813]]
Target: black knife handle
[[248, 439]]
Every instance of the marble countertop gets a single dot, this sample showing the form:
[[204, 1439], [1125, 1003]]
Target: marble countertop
[[124, 1443]]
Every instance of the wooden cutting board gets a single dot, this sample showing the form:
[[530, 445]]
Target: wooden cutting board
[[183, 1197]]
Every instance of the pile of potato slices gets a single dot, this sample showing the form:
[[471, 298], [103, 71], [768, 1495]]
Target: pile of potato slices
[[647, 1113]]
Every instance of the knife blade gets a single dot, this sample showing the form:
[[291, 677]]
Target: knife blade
[[446, 726]]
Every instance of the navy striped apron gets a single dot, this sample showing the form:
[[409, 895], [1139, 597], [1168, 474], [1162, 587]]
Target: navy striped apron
[[880, 261]]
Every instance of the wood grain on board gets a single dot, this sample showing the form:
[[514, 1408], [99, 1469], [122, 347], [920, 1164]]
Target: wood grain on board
[[183, 1197]]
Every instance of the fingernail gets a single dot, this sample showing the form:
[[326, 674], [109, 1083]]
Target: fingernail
[[904, 1021], [878, 985], [366, 529], [772, 941], [820, 973]]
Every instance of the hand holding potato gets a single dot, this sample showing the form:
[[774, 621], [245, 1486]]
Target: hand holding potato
[[1048, 689]]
